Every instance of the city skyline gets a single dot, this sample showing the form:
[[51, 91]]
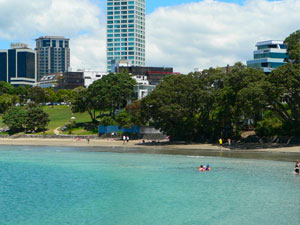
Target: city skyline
[[191, 34]]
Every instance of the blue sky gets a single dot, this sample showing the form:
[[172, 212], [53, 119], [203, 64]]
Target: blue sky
[[151, 6], [201, 35]]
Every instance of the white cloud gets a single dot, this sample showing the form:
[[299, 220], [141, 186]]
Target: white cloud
[[202, 34], [80, 20], [22, 19], [212, 33]]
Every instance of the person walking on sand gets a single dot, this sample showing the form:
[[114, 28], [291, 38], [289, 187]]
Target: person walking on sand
[[221, 143], [127, 139], [88, 139], [124, 139]]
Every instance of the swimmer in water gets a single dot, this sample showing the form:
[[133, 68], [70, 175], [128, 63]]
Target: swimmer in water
[[297, 167], [201, 169], [208, 167]]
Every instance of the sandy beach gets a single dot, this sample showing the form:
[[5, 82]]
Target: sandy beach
[[64, 142]]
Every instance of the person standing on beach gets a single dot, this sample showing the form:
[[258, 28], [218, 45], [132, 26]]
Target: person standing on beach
[[124, 139], [229, 141], [221, 143], [127, 139], [88, 139]]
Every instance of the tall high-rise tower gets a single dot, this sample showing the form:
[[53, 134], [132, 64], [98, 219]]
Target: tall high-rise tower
[[126, 31], [53, 55]]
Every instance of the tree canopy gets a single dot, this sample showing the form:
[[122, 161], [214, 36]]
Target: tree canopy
[[108, 94]]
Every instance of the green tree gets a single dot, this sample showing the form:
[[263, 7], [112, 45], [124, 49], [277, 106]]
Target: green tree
[[15, 118], [7, 101], [37, 94], [113, 91], [282, 90], [36, 118], [244, 90], [293, 47], [283, 96], [22, 92], [50, 95], [180, 106], [6, 88], [64, 95], [83, 101]]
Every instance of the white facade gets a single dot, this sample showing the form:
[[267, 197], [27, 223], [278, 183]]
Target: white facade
[[142, 91], [141, 79], [126, 31], [91, 76]]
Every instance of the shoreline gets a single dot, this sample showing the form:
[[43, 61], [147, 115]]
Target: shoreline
[[68, 142], [137, 144]]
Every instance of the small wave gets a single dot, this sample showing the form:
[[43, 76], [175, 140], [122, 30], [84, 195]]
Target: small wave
[[195, 156]]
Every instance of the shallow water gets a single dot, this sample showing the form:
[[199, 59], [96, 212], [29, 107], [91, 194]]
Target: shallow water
[[52, 185]]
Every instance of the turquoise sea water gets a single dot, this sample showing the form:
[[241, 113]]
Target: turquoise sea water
[[51, 185]]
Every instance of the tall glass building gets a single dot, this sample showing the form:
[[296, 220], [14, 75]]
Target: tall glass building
[[126, 31], [53, 55], [268, 56], [18, 65]]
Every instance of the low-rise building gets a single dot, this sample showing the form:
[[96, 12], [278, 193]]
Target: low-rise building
[[147, 78], [50, 81], [269, 55], [91, 76], [66, 80], [154, 74]]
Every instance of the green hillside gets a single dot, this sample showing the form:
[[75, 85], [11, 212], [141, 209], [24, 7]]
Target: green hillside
[[61, 115]]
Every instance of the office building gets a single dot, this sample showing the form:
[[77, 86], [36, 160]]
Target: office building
[[18, 65], [126, 31], [53, 55], [268, 56]]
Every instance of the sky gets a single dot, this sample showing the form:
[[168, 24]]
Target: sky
[[184, 34]]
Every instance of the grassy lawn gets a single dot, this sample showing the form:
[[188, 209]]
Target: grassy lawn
[[60, 115]]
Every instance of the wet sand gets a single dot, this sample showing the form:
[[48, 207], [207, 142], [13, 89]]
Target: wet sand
[[260, 151]]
